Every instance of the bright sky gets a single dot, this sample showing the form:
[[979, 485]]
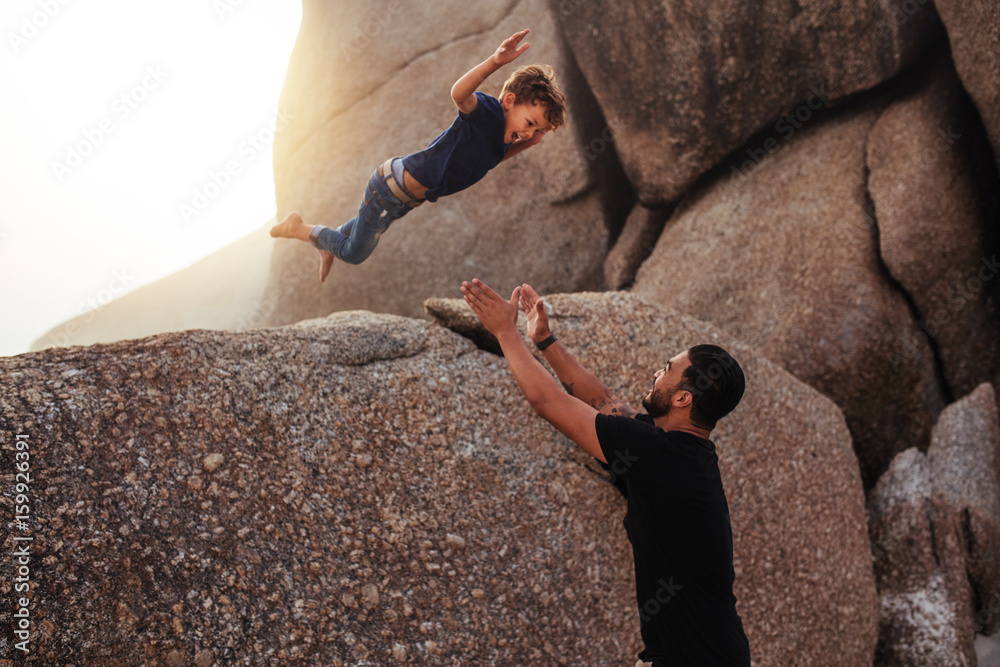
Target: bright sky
[[118, 122]]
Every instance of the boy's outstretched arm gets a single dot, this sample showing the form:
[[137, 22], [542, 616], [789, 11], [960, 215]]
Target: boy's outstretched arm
[[522, 145], [464, 90]]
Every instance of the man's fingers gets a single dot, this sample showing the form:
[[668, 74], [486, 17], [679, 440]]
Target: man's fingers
[[478, 294], [515, 297], [472, 294], [486, 289]]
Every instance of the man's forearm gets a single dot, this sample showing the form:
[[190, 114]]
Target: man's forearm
[[582, 384], [536, 383]]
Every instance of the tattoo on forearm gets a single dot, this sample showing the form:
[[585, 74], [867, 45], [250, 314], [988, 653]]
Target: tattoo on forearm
[[612, 406], [568, 388]]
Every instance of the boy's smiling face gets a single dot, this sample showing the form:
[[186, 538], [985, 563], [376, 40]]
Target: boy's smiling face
[[523, 121]]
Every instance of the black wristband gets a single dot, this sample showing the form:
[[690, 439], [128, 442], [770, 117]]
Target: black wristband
[[541, 345]]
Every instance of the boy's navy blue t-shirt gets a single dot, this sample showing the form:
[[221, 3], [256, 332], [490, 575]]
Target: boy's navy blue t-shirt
[[682, 543], [462, 154]]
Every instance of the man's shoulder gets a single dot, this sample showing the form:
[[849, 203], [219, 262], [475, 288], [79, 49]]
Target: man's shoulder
[[621, 430], [634, 420]]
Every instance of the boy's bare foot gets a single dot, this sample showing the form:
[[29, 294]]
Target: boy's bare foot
[[291, 227], [325, 263]]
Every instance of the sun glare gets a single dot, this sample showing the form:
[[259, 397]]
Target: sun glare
[[136, 139]]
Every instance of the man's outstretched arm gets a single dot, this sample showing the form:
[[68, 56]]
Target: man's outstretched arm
[[577, 380], [573, 418]]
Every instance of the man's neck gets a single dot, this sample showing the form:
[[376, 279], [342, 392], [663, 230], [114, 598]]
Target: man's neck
[[669, 423]]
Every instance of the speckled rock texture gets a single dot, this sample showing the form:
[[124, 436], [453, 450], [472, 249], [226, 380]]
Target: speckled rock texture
[[804, 582], [935, 530], [684, 84], [370, 81], [784, 256], [973, 28], [634, 245], [358, 490], [370, 490], [931, 181]]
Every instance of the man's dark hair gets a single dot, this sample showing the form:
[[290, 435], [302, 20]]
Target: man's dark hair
[[716, 383]]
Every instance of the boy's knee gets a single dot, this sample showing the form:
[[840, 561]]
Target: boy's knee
[[355, 255], [352, 258]]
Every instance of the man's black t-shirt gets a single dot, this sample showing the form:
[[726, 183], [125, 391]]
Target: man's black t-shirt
[[682, 543]]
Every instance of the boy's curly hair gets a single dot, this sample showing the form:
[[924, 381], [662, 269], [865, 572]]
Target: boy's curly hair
[[534, 84]]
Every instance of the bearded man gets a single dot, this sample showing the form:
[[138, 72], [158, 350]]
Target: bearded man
[[678, 516]]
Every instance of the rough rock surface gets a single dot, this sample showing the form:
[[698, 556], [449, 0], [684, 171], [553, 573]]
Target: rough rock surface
[[804, 583], [935, 529], [926, 162], [367, 489], [973, 28], [965, 463], [537, 216], [358, 490], [692, 82], [634, 245], [783, 254]]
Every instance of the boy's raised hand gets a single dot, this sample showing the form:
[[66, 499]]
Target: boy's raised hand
[[509, 51]]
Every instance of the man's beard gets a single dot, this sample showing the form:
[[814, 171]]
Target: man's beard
[[656, 404]]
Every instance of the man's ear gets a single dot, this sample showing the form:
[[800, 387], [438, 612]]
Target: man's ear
[[508, 101], [683, 398]]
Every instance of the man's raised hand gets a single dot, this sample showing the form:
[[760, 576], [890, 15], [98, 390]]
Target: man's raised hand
[[509, 51], [534, 309], [496, 314]]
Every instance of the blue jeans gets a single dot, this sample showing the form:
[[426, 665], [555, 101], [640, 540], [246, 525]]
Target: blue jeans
[[355, 240]]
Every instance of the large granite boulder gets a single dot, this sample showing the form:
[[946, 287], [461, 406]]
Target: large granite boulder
[[935, 529], [368, 489], [804, 583], [538, 216], [783, 254], [684, 84], [973, 28], [635, 243], [364, 489], [927, 158]]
